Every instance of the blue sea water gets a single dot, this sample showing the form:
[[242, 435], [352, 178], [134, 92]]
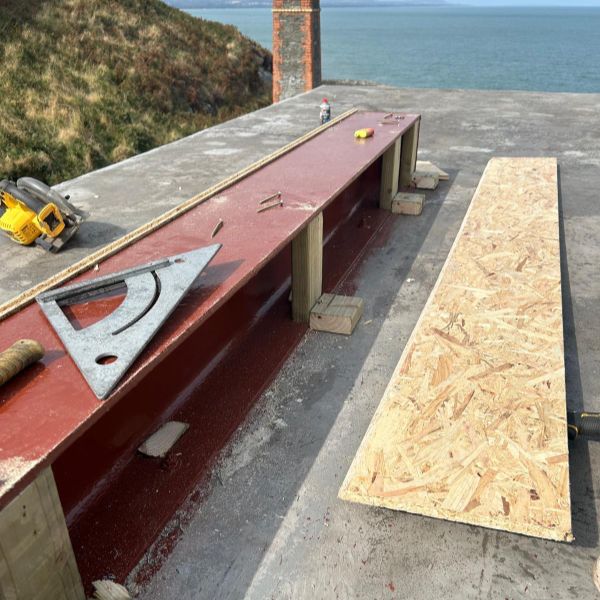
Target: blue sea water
[[545, 49]]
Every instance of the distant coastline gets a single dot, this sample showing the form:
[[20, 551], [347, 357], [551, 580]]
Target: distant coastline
[[218, 4]]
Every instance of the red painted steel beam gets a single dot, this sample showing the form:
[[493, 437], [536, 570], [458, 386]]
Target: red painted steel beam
[[118, 501], [43, 411]]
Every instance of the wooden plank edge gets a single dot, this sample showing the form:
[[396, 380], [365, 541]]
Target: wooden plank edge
[[347, 323], [465, 518], [159, 444]]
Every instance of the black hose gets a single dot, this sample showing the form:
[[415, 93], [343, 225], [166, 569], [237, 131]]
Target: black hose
[[584, 424]]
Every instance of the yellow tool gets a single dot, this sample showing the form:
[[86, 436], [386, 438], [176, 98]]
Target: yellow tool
[[364, 133], [31, 212]]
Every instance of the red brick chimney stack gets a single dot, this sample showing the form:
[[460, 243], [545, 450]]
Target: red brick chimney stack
[[296, 47]]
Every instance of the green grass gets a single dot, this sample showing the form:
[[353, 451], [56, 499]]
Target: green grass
[[86, 83]]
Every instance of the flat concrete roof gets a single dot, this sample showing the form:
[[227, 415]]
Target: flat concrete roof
[[270, 524]]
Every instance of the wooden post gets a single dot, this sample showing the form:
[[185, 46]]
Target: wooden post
[[36, 556], [307, 269], [389, 175], [408, 160]]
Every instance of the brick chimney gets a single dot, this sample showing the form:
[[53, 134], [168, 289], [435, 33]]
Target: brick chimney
[[296, 47]]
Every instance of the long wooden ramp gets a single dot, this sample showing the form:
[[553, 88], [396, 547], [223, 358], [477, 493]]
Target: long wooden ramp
[[472, 426]]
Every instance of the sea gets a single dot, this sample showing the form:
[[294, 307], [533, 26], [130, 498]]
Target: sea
[[501, 48]]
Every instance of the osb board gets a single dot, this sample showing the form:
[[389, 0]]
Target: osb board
[[472, 427]]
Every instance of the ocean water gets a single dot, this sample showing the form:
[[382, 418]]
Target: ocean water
[[544, 49]]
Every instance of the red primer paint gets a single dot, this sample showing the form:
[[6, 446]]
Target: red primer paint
[[117, 501]]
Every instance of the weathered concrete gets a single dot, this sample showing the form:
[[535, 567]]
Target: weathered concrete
[[274, 528], [124, 196], [271, 525]]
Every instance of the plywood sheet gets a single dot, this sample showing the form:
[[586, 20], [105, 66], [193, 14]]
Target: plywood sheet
[[472, 426]]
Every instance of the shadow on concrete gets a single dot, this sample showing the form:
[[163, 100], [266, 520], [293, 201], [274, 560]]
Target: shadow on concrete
[[230, 534], [94, 234], [585, 523]]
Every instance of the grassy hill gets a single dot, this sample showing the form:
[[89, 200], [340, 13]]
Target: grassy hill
[[86, 83]]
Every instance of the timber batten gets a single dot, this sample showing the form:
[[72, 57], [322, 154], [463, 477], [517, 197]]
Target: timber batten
[[472, 427]]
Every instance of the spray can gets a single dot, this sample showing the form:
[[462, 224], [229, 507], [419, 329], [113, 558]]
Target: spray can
[[325, 114]]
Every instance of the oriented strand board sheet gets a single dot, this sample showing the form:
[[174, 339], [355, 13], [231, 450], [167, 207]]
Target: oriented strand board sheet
[[472, 426]]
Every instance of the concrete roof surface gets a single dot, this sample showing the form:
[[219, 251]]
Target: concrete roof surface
[[271, 525]]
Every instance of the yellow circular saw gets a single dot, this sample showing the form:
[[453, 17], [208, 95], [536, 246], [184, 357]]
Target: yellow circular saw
[[31, 212]]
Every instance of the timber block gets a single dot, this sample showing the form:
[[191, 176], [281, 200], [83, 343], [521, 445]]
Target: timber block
[[161, 441], [408, 204], [425, 180], [336, 314], [429, 167], [408, 159]]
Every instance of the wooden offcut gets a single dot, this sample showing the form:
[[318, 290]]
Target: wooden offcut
[[408, 159], [390, 172], [405, 203], [106, 589], [336, 314], [36, 556], [472, 426], [425, 180], [429, 167], [161, 441], [307, 269]]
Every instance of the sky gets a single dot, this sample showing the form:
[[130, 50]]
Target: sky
[[531, 2]]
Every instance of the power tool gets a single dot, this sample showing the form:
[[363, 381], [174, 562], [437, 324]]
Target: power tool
[[30, 211]]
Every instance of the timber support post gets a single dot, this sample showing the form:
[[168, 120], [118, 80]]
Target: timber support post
[[307, 269], [36, 556], [390, 172], [408, 160]]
